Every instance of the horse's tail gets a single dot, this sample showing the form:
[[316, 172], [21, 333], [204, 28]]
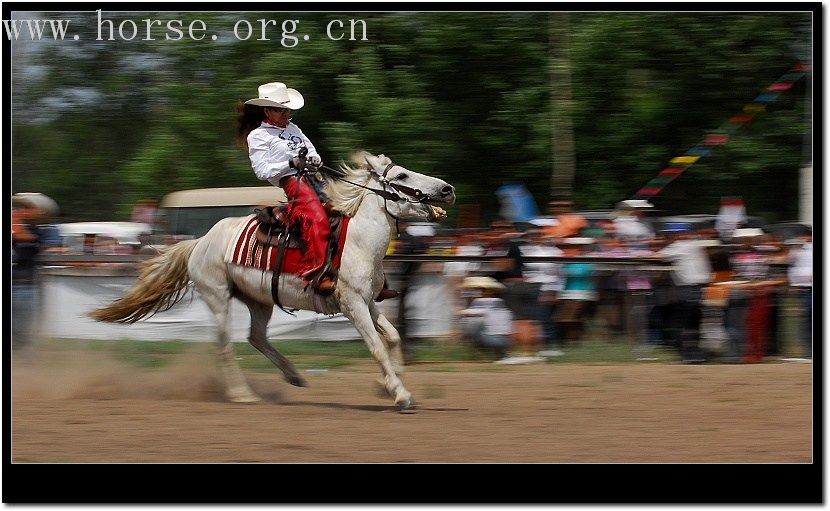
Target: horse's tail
[[161, 284]]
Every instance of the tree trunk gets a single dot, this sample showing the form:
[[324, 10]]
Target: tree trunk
[[562, 142]]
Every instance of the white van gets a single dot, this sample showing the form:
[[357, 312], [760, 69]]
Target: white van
[[191, 213]]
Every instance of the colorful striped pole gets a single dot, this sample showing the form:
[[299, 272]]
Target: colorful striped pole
[[721, 136]]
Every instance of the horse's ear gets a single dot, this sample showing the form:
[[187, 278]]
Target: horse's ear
[[373, 161]]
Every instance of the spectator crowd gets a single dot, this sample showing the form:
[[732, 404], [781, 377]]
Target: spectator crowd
[[712, 294]]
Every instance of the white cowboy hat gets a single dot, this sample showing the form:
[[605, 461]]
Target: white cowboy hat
[[276, 94]]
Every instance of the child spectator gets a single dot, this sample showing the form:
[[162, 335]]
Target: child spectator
[[487, 322]]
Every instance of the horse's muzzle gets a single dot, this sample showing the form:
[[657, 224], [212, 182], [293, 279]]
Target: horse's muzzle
[[445, 196]]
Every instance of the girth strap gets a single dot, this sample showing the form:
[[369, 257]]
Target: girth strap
[[275, 275]]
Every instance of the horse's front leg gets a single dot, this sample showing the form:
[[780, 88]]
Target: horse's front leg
[[357, 310], [390, 335]]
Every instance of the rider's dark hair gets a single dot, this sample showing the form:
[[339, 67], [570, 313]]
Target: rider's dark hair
[[248, 118]]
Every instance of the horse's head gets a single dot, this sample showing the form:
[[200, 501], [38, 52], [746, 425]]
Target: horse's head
[[412, 195]]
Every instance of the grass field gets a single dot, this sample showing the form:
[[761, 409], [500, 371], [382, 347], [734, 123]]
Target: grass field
[[600, 346], [330, 354]]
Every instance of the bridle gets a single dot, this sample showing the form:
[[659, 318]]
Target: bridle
[[415, 196]]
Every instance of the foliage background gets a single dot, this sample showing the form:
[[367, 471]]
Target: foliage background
[[98, 125]]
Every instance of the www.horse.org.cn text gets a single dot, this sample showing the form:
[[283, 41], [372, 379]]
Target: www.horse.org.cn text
[[286, 32]]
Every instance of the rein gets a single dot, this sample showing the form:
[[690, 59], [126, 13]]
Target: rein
[[417, 196]]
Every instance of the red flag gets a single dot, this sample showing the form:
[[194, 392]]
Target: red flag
[[740, 118], [649, 190], [716, 139], [780, 86]]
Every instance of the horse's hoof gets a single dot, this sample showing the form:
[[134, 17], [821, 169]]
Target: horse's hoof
[[297, 381], [406, 404], [244, 399]]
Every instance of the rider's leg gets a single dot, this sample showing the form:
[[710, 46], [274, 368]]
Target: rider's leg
[[386, 293], [307, 209]]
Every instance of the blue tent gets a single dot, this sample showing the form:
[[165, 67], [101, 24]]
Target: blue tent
[[517, 204]]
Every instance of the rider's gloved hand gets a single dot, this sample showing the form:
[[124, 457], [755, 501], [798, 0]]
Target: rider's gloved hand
[[297, 163], [314, 161]]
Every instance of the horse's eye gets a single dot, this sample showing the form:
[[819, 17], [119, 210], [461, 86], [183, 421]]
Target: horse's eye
[[401, 176]]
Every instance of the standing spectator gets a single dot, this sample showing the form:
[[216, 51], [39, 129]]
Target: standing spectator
[[611, 286], [638, 298], [715, 300], [691, 271], [751, 266], [731, 216], [502, 241], [546, 277], [568, 223], [520, 295], [487, 321], [800, 276], [579, 294], [413, 239], [467, 244], [144, 212], [629, 222], [777, 258], [26, 246]]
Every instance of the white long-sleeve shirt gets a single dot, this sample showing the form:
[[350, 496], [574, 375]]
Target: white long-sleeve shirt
[[549, 275], [271, 148], [800, 272], [498, 320], [691, 264]]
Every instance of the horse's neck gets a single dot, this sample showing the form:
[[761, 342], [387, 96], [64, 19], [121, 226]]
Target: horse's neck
[[374, 226]]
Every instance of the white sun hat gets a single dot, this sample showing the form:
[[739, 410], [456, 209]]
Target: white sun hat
[[482, 283], [635, 204], [748, 232], [40, 201], [276, 94]]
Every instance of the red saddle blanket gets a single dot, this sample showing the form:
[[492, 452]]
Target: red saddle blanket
[[248, 251]]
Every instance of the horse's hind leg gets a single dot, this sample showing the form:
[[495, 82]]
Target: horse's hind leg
[[357, 311], [260, 315], [218, 298]]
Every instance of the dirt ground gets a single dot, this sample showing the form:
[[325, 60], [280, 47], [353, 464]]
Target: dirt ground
[[74, 408]]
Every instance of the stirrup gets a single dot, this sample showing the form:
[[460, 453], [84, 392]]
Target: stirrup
[[322, 284], [385, 294]]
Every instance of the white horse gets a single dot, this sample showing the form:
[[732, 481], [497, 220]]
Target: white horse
[[375, 196]]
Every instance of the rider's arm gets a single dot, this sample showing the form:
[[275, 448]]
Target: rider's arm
[[270, 156], [311, 150]]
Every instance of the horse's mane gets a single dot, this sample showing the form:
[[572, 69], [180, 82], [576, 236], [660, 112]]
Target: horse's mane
[[345, 197]]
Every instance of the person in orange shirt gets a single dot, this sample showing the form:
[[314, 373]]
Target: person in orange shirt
[[25, 249], [568, 223]]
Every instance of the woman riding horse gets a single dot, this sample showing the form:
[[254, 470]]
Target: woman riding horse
[[273, 142]]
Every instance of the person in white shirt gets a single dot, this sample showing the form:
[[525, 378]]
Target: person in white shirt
[[800, 276], [691, 270], [548, 278], [629, 223]]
